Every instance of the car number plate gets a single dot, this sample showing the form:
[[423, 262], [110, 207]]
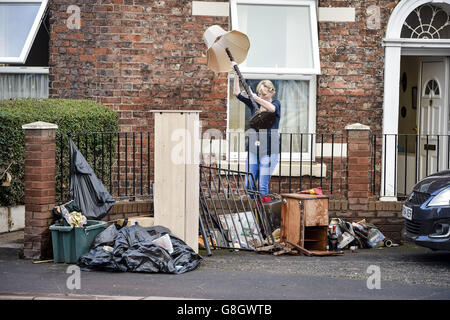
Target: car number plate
[[407, 212]]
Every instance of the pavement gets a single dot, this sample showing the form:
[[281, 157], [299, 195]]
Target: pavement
[[405, 272]]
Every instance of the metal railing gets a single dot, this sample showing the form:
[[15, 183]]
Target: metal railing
[[121, 161], [231, 216], [307, 160], [411, 157]]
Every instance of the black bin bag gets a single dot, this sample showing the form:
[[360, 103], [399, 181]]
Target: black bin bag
[[86, 189], [133, 250]]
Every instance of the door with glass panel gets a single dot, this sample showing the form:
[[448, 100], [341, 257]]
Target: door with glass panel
[[433, 117]]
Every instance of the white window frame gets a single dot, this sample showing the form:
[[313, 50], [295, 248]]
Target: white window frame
[[314, 34], [285, 156], [304, 74], [31, 35], [29, 70]]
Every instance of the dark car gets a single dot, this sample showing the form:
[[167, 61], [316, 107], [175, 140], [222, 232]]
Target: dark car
[[427, 212]]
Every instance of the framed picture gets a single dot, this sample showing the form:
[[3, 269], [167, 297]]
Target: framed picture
[[414, 97]]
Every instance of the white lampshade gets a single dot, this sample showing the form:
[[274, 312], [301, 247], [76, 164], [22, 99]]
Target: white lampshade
[[217, 40]]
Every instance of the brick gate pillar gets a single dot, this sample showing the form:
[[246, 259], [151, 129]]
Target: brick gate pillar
[[358, 155], [40, 163]]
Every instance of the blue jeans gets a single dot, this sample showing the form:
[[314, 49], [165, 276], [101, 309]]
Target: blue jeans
[[261, 169]]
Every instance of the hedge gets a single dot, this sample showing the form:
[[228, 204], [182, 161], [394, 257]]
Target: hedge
[[69, 115]]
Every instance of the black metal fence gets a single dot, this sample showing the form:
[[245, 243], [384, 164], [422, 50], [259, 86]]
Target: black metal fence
[[414, 158], [121, 160], [307, 160], [231, 215]]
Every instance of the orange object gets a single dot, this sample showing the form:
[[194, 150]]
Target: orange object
[[316, 191], [201, 243]]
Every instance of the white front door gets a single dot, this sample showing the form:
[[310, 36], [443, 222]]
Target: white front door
[[433, 140]]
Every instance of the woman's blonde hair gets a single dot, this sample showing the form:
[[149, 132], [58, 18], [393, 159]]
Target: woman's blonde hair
[[265, 84]]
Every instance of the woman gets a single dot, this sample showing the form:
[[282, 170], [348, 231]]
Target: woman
[[263, 145]]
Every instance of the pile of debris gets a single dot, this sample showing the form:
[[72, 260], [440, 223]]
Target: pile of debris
[[279, 248], [139, 249], [69, 214], [342, 235]]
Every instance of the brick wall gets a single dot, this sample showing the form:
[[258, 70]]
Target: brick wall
[[136, 56], [386, 216], [360, 202], [39, 197], [350, 88], [126, 209]]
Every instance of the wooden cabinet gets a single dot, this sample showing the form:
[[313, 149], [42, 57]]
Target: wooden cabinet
[[304, 220]]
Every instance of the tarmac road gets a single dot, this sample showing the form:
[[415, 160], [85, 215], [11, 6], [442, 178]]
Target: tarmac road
[[406, 272]]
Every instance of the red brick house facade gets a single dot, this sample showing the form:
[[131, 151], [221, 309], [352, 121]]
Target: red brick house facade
[[144, 56], [139, 56]]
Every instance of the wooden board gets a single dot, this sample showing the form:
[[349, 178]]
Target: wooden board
[[169, 174], [300, 196], [290, 221], [300, 248], [311, 253], [326, 253], [316, 212], [192, 171], [176, 173]]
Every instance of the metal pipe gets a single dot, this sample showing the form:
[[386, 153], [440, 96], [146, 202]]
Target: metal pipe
[[141, 172], [301, 159], [214, 206], [227, 203], [205, 240], [237, 208], [332, 162], [290, 162], [321, 161], [311, 161], [241, 78]]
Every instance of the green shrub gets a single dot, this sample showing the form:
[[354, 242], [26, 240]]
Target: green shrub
[[69, 115]]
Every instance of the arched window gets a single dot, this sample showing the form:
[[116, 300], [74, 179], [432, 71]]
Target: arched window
[[432, 89], [427, 22]]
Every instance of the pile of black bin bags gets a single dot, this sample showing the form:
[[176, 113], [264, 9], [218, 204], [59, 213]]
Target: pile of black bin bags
[[131, 248]]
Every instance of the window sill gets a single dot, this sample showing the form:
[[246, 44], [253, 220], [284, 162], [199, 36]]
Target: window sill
[[21, 70]]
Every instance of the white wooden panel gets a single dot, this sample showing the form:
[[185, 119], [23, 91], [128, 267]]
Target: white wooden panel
[[176, 193], [169, 176], [192, 180]]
